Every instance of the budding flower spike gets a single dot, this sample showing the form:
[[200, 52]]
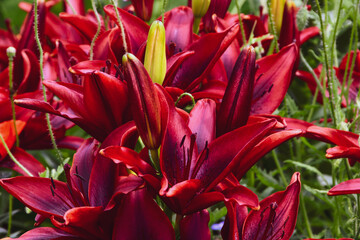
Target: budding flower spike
[[155, 54], [199, 8]]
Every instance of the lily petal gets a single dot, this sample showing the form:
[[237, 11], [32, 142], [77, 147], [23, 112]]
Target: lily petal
[[277, 215], [351, 186], [139, 217], [47, 233], [195, 226]]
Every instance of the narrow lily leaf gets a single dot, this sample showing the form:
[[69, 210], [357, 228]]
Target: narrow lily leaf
[[202, 122], [36, 194], [178, 24], [208, 49], [277, 215], [351, 186], [236, 104], [47, 233], [273, 76], [147, 220], [195, 226], [145, 102]]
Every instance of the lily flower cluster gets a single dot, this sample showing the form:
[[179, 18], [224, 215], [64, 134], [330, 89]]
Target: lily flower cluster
[[177, 113]]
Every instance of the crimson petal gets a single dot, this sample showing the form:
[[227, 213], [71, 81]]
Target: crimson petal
[[208, 49], [47, 233], [277, 215], [195, 226], [236, 104], [139, 217], [273, 79], [36, 194], [351, 186]]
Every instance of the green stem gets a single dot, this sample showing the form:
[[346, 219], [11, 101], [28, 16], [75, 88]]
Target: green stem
[[241, 23], [13, 158], [11, 200], [306, 218], [154, 157], [121, 26], [11, 55], [277, 162], [163, 10], [183, 95], [328, 76], [41, 62], [71, 6], [97, 30]]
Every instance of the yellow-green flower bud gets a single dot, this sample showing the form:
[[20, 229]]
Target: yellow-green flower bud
[[155, 54], [277, 11], [199, 8]]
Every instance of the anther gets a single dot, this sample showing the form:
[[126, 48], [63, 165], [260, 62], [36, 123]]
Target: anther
[[182, 141], [52, 191], [52, 183], [270, 87]]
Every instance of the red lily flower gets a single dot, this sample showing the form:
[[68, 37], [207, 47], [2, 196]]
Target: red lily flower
[[275, 219], [84, 193], [96, 114]]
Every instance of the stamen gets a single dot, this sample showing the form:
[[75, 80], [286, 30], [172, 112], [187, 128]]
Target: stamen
[[270, 87], [102, 69], [52, 191], [52, 183], [182, 141]]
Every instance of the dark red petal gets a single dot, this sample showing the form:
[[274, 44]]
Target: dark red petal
[[226, 151], [83, 24], [272, 79], [348, 187], [236, 104], [139, 217], [26, 159], [202, 122], [128, 157], [195, 226], [77, 5], [143, 8], [178, 25], [234, 221], [83, 161], [145, 103], [266, 145], [289, 32], [308, 33], [47, 233], [277, 215], [30, 77], [139, 29], [208, 49], [36, 194]]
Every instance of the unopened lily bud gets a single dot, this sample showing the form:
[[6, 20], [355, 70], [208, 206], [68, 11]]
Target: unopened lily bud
[[277, 11], [145, 103], [11, 52], [199, 8], [155, 54]]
